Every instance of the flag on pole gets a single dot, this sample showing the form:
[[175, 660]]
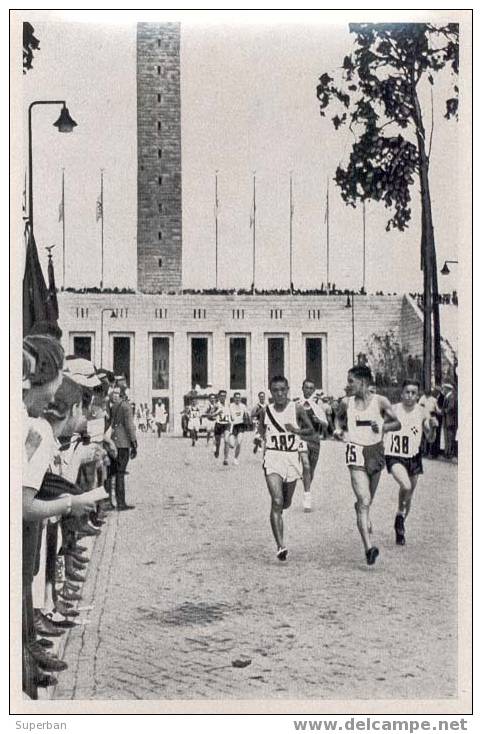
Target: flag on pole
[[99, 210], [52, 304], [61, 211], [24, 195]]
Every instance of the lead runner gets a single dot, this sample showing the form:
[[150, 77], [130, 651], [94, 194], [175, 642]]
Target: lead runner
[[281, 425], [363, 420]]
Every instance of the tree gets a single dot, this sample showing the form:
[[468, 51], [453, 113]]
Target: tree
[[380, 87], [30, 44]]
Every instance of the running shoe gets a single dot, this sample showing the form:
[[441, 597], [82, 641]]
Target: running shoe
[[399, 529], [282, 554], [372, 555]]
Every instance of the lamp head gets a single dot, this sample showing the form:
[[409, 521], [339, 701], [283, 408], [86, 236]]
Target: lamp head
[[65, 124], [445, 270]]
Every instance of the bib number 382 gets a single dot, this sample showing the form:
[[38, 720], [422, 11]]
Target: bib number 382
[[282, 442]]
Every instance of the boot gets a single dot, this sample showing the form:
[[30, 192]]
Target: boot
[[120, 493]]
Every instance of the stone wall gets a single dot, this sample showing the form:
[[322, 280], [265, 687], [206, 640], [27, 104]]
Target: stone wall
[[159, 208], [143, 316]]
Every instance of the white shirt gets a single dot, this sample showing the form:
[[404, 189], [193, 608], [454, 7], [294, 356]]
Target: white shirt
[[39, 448]]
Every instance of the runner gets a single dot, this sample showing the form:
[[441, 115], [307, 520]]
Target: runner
[[362, 421], [310, 447], [210, 416], [221, 426], [256, 415], [194, 420], [239, 423], [281, 426], [403, 450]]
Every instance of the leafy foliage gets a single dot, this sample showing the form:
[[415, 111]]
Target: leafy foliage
[[378, 88], [30, 44]]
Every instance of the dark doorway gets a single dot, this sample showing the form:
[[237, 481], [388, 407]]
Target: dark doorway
[[237, 362], [199, 361], [83, 347], [313, 361], [276, 357], [122, 357]]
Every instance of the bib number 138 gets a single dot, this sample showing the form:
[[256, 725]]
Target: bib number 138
[[399, 446]]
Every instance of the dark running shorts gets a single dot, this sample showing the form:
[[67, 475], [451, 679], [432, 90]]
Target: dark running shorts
[[413, 464], [239, 428], [370, 458], [220, 428]]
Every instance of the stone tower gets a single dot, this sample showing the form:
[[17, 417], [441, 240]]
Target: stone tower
[[159, 194]]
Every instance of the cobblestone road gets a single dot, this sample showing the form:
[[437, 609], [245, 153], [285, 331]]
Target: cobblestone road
[[189, 582]]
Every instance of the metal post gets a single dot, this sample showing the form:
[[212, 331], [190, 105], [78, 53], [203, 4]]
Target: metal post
[[30, 156], [63, 229], [102, 228], [353, 326], [216, 223], [364, 246]]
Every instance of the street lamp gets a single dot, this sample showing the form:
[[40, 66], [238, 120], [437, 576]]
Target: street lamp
[[446, 270], [113, 315], [351, 304], [65, 124]]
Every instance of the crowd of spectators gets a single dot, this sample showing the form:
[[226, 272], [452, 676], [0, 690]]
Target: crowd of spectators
[[78, 437], [444, 299]]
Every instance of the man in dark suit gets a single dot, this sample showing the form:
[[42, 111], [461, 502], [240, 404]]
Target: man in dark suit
[[124, 437]]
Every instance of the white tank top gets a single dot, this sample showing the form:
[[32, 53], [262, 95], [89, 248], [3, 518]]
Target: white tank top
[[277, 437], [359, 422], [406, 442], [237, 413]]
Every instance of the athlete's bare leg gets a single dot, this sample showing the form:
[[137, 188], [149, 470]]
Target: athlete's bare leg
[[237, 449], [226, 445], [361, 486], [281, 496], [407, 486], [305, 462]]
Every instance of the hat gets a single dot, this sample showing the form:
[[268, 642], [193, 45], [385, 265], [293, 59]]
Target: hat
[[82, 372], [45, 358]]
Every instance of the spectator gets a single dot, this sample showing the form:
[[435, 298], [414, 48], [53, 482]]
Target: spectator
[[42, 363], [450, 420], [124, 437], [160, 417]]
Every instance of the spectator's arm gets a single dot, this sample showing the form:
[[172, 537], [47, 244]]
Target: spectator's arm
[[35, 510], [129, 425]]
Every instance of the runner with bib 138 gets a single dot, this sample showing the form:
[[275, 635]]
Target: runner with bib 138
[[362, 421]]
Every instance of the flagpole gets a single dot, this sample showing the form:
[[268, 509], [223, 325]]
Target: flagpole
[[328, 234], [291, 232], [364, 245], [63, 228], [102, 228], [216, 222], [254, 230]]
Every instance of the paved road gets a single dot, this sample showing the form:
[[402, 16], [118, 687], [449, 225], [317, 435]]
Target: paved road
[[189, 582]]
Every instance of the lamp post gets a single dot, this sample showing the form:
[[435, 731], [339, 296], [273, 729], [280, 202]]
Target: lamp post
[[446, 270], [65, 124], [113, 315], [351, 304]]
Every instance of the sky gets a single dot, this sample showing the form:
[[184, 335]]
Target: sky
[[248, 104]]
